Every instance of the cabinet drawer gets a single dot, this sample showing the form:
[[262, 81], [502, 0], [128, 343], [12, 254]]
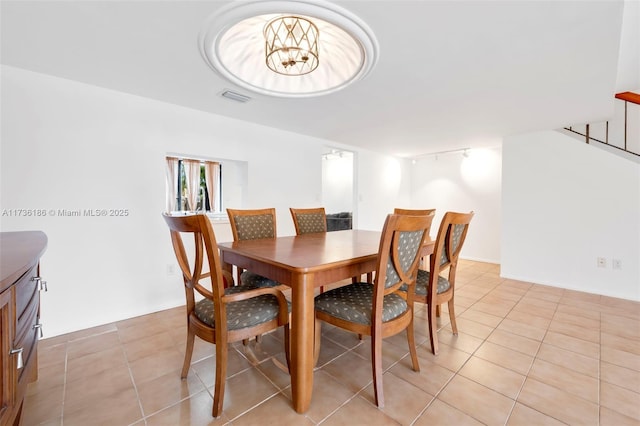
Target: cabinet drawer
[[27, 339], [26, 290], [26, 336], [29, 370], [28, 318]]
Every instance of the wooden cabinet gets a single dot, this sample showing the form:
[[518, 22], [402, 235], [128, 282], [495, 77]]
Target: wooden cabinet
[[6, 376], [20, 286]]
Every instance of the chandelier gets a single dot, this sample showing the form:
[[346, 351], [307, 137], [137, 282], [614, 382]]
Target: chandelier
[[291, 45], [239, 39]]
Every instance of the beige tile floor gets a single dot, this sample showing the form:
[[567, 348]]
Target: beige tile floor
[[525, 355]]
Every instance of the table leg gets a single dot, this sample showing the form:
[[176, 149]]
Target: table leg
[[225, 266], [228, 268], [302, 339]]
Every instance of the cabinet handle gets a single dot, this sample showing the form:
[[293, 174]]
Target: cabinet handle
[[43, 284], [19, 363], [38, 327]]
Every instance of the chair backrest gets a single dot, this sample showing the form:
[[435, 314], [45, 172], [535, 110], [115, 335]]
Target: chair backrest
[[399, 254], [205, 258], [308, 221], [451, 235], [414, 212], [252, 224]]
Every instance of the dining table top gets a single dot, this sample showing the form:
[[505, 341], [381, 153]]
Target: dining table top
[[310, 252]]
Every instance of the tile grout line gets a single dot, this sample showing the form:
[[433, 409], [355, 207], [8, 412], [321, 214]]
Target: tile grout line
[[64, 381], [457, 372], [531, 367], [133, 382]]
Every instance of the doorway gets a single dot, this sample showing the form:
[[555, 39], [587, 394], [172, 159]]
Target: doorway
[[338, 188]]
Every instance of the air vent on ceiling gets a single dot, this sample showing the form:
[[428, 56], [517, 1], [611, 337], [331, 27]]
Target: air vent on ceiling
[[235, 96]]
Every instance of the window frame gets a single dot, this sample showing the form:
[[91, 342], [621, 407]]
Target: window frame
[[180, 186]]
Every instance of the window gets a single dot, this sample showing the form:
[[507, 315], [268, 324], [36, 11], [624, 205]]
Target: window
[[194, 185]]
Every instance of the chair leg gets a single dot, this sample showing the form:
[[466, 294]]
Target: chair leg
[[355, 280], [376, 365], [245, 342], [438, 311], [412, 347], [221, 378], [238, 273], [452, 316], [316, 341], [191, 337], [287, 347], [433, 329]]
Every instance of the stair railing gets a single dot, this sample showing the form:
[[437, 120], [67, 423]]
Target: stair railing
[[628, 98]]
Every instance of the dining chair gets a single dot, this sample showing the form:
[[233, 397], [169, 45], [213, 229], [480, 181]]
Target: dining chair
[[252, 225], [412, 212], [308, 221], [215, 313], [377, 309], [434, 289], [314, 220]]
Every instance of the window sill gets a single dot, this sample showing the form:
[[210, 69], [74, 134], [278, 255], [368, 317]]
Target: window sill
[[214, 217], [218, 217]]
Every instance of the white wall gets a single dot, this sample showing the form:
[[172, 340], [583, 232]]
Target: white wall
[[68, 145], [452, 182], [383, 183], [564, 204], [629, 57]]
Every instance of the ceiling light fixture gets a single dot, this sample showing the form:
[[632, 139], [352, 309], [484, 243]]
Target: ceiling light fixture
[[291, 45], [315, 47], [464, 151]]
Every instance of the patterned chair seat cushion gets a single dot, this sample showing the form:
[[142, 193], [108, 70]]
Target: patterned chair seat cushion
[[248, 278], [243, 313], [422, 283], [354, 302]]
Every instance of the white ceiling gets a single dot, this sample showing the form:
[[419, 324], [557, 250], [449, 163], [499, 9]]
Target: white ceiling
[[451, 74]]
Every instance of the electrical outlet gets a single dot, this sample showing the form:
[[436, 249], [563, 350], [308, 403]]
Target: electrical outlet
[[602, 262], [616, 263]]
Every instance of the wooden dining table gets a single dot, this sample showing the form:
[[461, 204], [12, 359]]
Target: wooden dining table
[[303, 263]]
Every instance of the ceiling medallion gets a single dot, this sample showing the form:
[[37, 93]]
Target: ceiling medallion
[[288, 48]]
